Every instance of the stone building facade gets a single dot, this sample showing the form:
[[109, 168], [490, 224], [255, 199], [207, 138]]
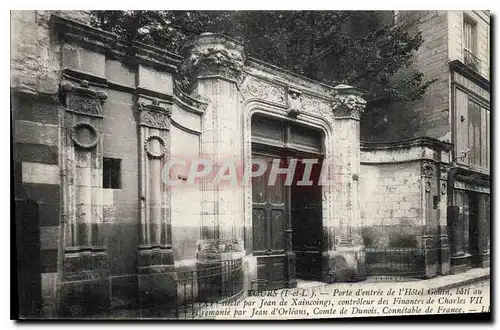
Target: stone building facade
[[456, 52], [96, 120]]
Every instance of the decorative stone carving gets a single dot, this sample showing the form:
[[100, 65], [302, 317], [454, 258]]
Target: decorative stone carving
[[155, 115], [428, 169], [443, 188], [259, 89], [317, 106], [155, 146], [428, 186], [294, 101], [212, 55], [444, 169], [82, 99], [84, 135], [348, 102]]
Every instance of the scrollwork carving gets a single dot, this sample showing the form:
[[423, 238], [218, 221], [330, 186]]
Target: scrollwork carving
[[81, 98], [317, 106], [155, 114], [256, 88], [428, 169]]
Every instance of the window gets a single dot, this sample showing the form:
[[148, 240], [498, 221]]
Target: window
[[111, 173], [470, 44], [469, 34], [472, 131]]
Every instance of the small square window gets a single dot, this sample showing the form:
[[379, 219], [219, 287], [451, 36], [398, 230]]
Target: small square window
[[111, 173]]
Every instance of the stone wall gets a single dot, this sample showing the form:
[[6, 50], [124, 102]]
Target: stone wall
[[391, 208], [432, 111], [35, 71], [403, 187]]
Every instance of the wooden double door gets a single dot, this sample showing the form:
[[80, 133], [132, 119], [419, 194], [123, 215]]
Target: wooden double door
[[287, 228]]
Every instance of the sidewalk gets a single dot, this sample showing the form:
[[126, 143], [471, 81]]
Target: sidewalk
[[471, 276]]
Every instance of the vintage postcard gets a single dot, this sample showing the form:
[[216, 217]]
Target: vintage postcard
[[250, 164]]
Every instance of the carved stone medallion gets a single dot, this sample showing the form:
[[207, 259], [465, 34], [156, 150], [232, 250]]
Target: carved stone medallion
[[155, 146], [84, 135]]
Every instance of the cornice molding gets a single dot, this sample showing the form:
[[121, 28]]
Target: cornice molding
[[460, 67], [133, 53], [410, 143]]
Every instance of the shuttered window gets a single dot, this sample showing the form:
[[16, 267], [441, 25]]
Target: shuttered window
[[472, 131]]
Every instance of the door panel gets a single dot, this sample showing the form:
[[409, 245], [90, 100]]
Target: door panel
[[306, 215], [271, 269], [269, 216]]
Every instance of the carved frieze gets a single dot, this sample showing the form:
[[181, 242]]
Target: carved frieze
[[315, 105], [259, 89], [155, 115], [347, 102], [82, 99]]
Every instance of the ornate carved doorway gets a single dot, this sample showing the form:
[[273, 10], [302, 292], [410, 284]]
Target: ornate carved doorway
[[286, 216]]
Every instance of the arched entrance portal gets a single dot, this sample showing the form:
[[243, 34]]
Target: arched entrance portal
[[286, 202]]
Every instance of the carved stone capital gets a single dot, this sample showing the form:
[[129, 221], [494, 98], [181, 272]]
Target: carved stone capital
[[82, 99], [155, 114], [212, 55], [348, 102], [428, 169]]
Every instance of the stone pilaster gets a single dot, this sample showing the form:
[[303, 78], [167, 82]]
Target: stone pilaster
[[344, 261], [444, 240], [84, 287], [430, 221], [213, 68], [481, 257], [156, 273]]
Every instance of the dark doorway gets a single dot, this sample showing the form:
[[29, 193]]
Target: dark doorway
[[306, 214], [286, 216]]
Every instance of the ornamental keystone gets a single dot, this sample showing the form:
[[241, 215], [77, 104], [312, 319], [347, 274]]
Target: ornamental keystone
[[348, 102]]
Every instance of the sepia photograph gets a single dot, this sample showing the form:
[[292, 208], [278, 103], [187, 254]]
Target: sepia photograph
[[250, 164]]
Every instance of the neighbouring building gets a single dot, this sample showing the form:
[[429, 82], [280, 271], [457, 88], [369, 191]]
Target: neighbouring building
[[96, 119], [456, 109]]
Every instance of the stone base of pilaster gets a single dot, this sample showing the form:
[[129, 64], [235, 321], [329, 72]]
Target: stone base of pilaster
[[444, 267], [344, 264], [156, 281], [85, 284], [481, 260], [430, 256], [460, 264], [290, 264]]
